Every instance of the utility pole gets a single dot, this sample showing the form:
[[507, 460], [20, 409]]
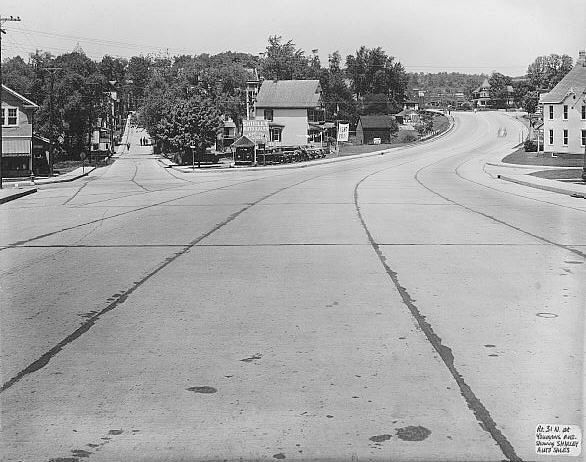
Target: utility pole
[[2, 31], [51, 128]]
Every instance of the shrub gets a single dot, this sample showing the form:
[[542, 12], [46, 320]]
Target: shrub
[[530, 146], [409, 138]]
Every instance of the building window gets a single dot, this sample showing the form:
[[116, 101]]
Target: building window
[[551, 112], [565, 112], [315, 115], [583, 137], [9, 117], [276, 134], [551, 137], [269, 114], [583, 112], [565, 137]]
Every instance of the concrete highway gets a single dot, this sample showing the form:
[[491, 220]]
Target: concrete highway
[[404, 306]]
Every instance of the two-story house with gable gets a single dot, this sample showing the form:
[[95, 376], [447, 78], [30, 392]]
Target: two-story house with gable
[[291, 107], [17, 133], [564, 112]]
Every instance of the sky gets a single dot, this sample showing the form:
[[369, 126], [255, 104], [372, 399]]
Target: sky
[[470, 36]]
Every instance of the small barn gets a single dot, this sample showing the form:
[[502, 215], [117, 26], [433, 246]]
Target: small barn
[[375, 126]]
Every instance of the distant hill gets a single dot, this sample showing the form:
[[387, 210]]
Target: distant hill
[[445, 82]]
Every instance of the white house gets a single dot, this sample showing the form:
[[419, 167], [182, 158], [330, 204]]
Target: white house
[[291, 107], [564, 112]]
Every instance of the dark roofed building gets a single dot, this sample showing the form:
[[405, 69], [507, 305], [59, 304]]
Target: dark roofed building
[[375, 126]]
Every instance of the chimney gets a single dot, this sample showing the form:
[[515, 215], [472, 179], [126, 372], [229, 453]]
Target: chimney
[[582, 57]]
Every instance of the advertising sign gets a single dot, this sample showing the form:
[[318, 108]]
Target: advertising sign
[[256, 130], [343, 130]]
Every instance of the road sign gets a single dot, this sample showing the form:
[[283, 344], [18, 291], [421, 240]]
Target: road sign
[[82, 156], [256, 130]]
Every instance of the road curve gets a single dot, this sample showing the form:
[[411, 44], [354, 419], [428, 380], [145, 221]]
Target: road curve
[[406, 306]]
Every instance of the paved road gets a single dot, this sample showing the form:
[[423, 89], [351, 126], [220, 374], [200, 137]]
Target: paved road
[[406, 306]]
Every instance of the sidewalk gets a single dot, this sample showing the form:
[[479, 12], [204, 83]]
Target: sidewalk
[[521, 174]]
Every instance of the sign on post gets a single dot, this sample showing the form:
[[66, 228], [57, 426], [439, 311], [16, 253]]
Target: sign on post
[[343, 130], [256, 130]]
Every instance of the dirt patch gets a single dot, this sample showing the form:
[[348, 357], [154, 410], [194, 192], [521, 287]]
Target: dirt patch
[[380, 438], [413, 433], [205, 390]]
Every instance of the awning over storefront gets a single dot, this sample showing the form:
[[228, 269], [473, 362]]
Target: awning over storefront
[[16, 147], [322, 126]]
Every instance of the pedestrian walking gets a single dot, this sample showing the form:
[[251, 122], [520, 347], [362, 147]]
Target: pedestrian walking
[[128, 146]]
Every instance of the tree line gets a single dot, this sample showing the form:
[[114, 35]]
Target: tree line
[[181, 100]]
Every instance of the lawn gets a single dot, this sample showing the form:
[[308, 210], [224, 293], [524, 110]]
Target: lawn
[[533, 158], [559, 174]]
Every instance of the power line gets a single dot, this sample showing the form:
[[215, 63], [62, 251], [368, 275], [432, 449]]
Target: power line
[[117, 44]]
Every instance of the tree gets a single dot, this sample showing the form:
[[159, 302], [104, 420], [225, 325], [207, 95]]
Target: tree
[[372, 71], [546, 71], [139, 72], [283, 61], [114, 69], [530, 101], [336, 96], [192, 122], [499, 90], [377, 103], [18, 75], [425, 124]]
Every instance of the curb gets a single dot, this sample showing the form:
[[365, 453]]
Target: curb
[[543, 186], [63, 180], [17, 195], [530, 167]]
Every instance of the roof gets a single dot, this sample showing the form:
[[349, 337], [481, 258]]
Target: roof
[[485, 84], [289, 94], [376, 121], [573, 81], [242, 142], [27, 102]]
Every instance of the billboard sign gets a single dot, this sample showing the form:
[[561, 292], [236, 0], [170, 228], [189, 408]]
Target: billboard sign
[[256, 130], [343, 130]]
